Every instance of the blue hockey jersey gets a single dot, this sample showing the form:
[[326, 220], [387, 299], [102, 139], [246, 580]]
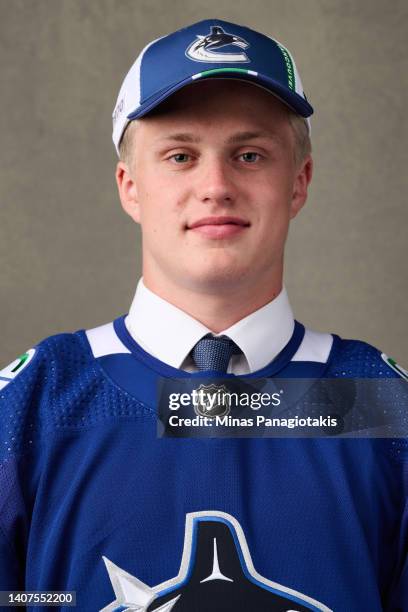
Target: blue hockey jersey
[[92, 501]]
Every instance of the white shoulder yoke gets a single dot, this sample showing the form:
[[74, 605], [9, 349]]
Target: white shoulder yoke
[[315, 346], [104, 341]]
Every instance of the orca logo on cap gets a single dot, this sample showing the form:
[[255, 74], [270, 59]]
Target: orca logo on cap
[[204, 49], [216, 573]]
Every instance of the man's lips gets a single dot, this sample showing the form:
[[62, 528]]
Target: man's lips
[[219, 227]]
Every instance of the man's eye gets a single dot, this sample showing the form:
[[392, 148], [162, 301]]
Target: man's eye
[[180, 158], [250, 157]]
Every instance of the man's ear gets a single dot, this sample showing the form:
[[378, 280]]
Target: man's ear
[[302, 179], [127, 191]]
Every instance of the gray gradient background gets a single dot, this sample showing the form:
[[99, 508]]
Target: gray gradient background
[[70, 258]]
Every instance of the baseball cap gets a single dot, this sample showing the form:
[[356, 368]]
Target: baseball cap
[[207, 49]]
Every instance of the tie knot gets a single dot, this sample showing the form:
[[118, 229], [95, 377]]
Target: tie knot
[[214, 353]]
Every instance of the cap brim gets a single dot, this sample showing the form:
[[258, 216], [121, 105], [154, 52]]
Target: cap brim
[[293, 100]]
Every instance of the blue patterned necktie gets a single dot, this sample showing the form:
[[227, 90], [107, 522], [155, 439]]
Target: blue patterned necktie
[[214, 353]]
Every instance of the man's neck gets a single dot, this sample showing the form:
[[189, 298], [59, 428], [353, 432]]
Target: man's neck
[[217, 310]]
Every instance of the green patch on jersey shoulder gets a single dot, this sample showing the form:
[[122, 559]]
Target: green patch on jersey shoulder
[[394, 365], [10, 372]]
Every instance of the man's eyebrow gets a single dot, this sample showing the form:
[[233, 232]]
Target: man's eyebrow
[[181, 137], [242, 136], [234, 139]]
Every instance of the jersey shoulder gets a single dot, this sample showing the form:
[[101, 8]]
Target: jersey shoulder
[[36, 386], [359, 359], [43, 361], [60, 384]]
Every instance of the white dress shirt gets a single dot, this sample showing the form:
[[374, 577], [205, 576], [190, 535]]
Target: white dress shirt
[[169, 334]]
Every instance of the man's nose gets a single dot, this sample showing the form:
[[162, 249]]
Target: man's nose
[[216, 183]]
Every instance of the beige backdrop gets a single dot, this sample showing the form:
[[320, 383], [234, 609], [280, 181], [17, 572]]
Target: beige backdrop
[[69, 256]]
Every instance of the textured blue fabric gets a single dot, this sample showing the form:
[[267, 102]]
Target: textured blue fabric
[[214, 353], [83, 475]]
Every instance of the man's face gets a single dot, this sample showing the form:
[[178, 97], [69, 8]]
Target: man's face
[[214, 183]]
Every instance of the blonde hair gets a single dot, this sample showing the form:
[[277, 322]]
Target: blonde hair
[[126, 144], [303, 145]]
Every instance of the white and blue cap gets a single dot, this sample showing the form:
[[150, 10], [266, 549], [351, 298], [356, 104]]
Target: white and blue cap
[[208, 49]]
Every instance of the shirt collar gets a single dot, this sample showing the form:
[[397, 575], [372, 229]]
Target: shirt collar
[[168, 333], [265, 332]]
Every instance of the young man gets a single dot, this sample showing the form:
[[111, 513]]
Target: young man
[[212, 131]]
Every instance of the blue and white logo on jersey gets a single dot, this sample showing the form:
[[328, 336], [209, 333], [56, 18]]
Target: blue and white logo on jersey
[[205, 48], [216, 573], [395, 366], [11, 372]]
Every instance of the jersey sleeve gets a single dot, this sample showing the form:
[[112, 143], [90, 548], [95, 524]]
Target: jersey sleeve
[[20, 389], [13, 527], [398, 597]]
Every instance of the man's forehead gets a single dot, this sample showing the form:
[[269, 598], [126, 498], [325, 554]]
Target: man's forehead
[[254, 115], [234, 137]]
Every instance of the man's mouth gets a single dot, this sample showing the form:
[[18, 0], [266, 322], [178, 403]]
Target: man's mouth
[[219, 227]]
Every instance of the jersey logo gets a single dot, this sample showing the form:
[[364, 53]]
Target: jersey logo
[[10, 372], [216, 573], [394, 365], [204, 49]]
